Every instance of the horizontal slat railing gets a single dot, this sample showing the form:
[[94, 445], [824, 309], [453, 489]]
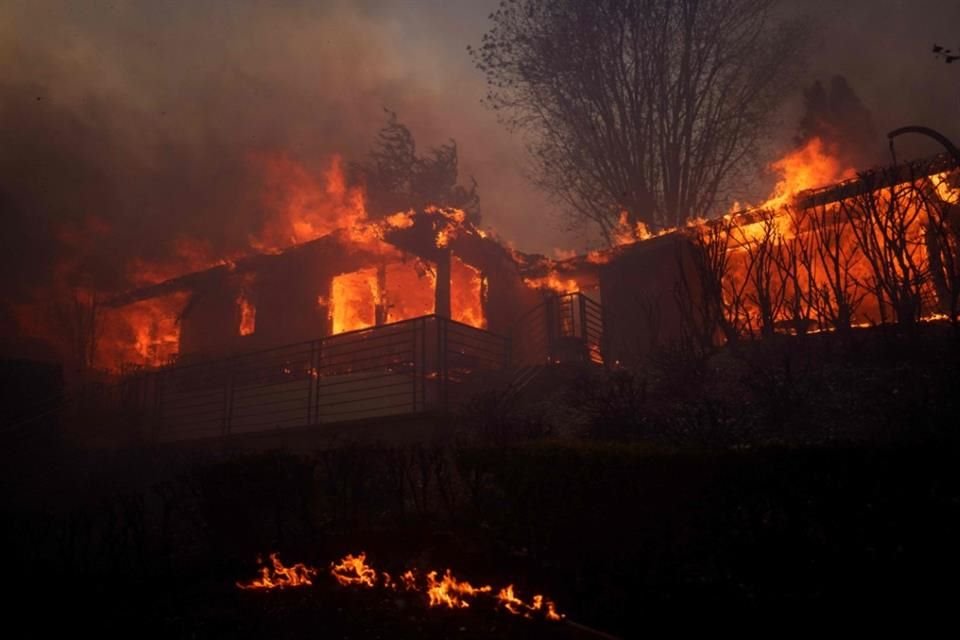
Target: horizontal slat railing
[[402, 368], [564, 327]]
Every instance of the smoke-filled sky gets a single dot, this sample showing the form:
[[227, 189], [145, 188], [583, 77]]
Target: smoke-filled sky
[[140, 117]]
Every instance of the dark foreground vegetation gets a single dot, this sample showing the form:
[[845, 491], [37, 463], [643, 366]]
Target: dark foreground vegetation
[[797, 478]]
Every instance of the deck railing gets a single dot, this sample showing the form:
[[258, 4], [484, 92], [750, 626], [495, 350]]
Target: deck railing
[[409, 367], [564, 328]]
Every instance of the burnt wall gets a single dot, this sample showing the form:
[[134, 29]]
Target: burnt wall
[[287, 294], [210, 323], [287, 291], [649, 292], [508, 297]]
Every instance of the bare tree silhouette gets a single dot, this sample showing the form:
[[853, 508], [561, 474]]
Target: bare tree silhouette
[[640, 106]]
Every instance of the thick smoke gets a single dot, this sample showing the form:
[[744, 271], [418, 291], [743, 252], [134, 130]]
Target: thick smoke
[[883, 50], [127, 127]]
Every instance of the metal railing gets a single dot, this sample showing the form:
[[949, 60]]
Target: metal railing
[[408, 367], [564, 328]]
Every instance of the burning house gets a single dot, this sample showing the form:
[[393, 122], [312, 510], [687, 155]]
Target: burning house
[[410, 313], [407, 266], [384, 318]]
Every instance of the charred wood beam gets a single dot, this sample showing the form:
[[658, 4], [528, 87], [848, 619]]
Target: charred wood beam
[[865, 182], [876, 179], [380, 310], [189, 282], [442, 294]]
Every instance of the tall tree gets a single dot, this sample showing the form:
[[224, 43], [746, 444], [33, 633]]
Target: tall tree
[[648, 107], [396, 179]]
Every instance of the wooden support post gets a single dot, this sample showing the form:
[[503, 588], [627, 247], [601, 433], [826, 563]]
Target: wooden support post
[[380, 310], [441, 306]]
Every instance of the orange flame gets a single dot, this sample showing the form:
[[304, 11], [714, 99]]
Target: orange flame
[[553, 282], [280, 577], [450, 592], [809, 166], [353, 300], [299, 207], [248, 316], [466, 289], [302, 207], [354, 570], [946, 192], [516, 606], [624, 233], [400, 220], [447, 591], [145, 333], [409, 581]]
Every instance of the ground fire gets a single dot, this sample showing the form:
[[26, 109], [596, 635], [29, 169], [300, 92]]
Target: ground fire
[[445, 591], [278, 576]]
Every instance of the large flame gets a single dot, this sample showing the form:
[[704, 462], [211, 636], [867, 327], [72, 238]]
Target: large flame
[[353, 300], [466, 288], [892, 224], [145, 333], [301, 207], [810, 166], [787, 251]]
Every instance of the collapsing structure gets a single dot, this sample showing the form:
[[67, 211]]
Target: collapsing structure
[[396, 317], [409, 314]]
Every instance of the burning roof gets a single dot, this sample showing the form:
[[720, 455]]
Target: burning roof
[[352, 272]]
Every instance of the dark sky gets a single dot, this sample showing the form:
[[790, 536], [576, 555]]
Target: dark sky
[[141, 112]]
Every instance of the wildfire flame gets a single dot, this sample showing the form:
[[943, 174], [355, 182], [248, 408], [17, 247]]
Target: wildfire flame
[[248, 315], [810, 166], [466, 289], [279, 577], [625, 233], [301, 207], [145, 333], [946, 192], [515, 605], [353, 300], [445, 591], [450, 592], [354, 570], [554, 282], [409, 580]]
